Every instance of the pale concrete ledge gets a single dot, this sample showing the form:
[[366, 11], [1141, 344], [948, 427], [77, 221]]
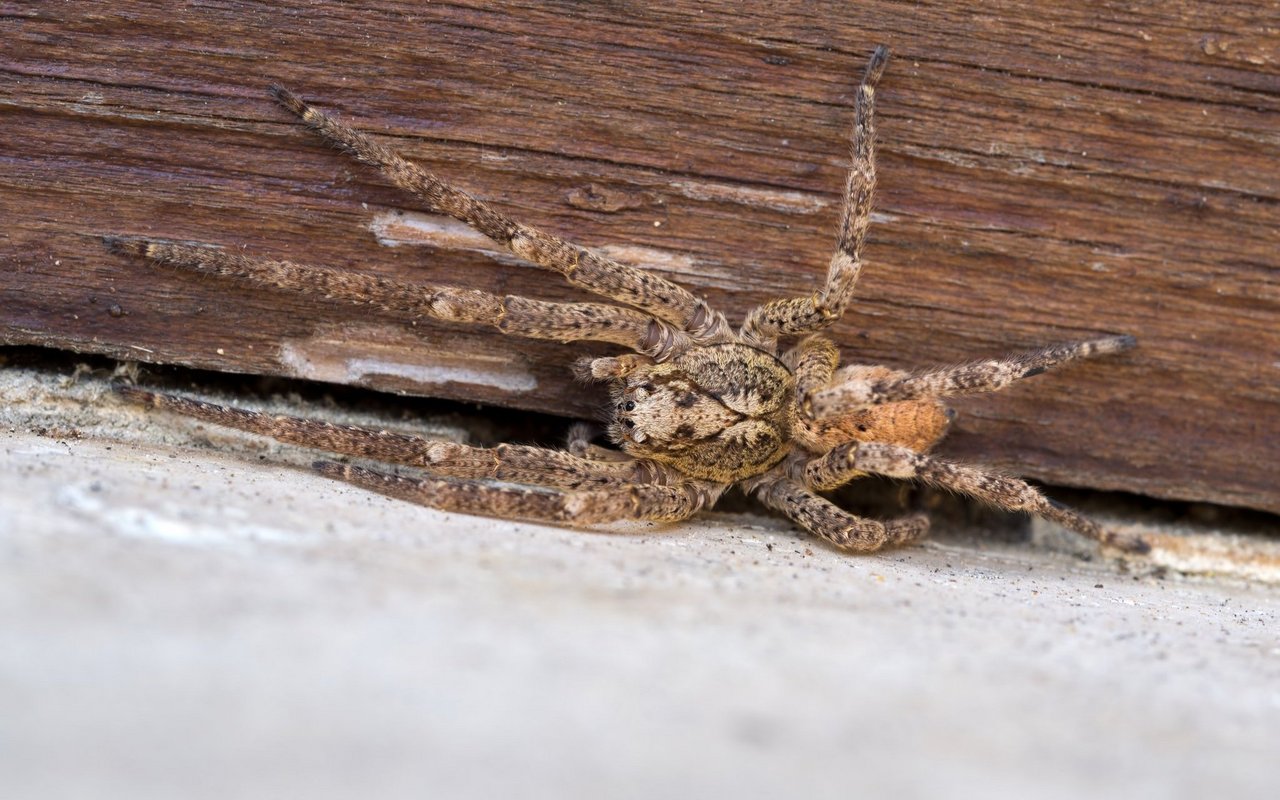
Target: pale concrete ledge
[[195, 623]]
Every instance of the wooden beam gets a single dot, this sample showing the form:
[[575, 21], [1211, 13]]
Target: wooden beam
[[1048, 172]]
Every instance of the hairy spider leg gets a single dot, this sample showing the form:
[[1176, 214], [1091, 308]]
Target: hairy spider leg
[[574, 507], [851, 390], [766, 323], [855, 459], [511, 314], [828, 521], [580, 266]]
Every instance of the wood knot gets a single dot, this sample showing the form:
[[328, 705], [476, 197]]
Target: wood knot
[[594, 197]]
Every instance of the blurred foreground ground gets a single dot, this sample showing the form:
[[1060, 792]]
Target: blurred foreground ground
[[206, 623]]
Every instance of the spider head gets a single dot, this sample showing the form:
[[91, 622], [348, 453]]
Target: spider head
[[722, 412], [668, 412]]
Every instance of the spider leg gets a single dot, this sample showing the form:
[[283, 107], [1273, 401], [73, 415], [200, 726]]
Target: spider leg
[[854, 459], [513, 315], [506, 462], [581, 267], [572, 507], [813, 362], [828, 521], [766, 323], [856, 387]]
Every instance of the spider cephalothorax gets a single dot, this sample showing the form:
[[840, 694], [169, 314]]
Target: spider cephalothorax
[[697, 407], [720, 412]]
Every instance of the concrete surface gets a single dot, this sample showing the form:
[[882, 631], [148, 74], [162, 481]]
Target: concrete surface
[[198, 623]]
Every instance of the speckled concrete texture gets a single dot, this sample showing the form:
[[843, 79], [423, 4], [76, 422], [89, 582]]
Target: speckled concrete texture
[[182, 623]]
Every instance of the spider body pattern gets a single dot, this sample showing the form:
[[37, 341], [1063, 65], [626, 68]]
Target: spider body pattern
[[697, 406]]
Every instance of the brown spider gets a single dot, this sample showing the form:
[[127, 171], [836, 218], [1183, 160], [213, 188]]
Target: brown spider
[[697, 407]]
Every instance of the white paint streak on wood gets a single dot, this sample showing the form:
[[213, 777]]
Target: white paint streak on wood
[[371, 354], [777, 199], [648, 257], [439, 373], [399, 228]]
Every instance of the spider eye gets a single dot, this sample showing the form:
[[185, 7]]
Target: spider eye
[[630, 406], [628, 423]]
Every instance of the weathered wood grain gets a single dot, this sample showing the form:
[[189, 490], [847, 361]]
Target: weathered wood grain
[[1047, 172]]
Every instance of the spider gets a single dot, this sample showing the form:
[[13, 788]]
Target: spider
[[697, 407]]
